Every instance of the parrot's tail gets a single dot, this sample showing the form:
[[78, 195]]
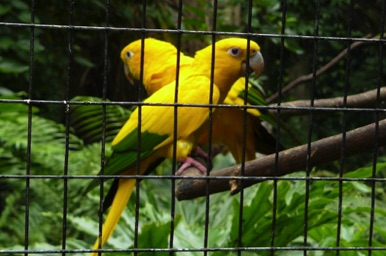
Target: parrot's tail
[[125, 188]]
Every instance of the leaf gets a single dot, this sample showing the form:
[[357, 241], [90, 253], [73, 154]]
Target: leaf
[[365, 172], [84, 62], [84, 224], [87, 120], [150, 239], [5, 42], [12, 67]]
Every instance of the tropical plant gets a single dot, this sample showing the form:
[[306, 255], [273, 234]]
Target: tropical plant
[[44, 147]]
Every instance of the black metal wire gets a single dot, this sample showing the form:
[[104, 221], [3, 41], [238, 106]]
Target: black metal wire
[[175, 132], [134, 103], [206, 249], [210, 130], [103, 135], [373, 184], [212, 249], [144, 177], [29, 138], [344, 130], [194, 32], [67, 125], [244, 137], [139, 132], [310, 126], [283, 7]]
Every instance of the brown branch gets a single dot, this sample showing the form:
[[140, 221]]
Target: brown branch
[[368, 98], [305, 78], [322, 151]]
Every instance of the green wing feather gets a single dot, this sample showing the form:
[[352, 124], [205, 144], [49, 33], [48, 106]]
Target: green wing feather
[[256, 96], [125, 154]]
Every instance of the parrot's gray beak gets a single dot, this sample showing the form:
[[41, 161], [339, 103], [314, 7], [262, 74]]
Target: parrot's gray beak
[[128, 74], [256, 63]]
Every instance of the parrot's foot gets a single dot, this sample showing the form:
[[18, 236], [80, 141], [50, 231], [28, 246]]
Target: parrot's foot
[[190, 162]]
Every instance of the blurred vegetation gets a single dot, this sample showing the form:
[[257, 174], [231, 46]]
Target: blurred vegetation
[[56, 76]]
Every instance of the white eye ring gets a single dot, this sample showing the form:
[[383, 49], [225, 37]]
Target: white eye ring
[[129, 54], [234, 51]]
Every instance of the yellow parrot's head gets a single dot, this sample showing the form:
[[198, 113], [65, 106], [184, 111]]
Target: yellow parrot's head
[[153, 50], [230, 63]]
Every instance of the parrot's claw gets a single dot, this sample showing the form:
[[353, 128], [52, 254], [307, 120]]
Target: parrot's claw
[[190, 162]]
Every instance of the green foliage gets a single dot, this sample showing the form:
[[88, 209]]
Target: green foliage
[[14, 129], [87, 120], [258, 221], [86, 72], [45, 157]]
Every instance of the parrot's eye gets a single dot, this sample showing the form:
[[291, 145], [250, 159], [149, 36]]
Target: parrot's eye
[[129, 54], [234, 51]]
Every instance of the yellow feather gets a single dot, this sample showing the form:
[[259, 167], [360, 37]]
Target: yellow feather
[[122, 196], [194, 88], [161, 70], [159, 63], [233, 97], [125, 188], [160, 119]]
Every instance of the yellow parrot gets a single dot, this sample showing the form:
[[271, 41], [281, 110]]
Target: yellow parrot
[[159, 69], [159, 63], [157, 127]]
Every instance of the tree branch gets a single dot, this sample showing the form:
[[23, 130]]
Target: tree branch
[[305, 78], [322, 151], [368, 98]]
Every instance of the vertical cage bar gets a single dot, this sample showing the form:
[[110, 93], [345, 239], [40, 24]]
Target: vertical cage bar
[[244, 137], [283, 8], [373, 184], [210, 129], [103, 135], [67, 125], [310, 127], [139, 136], [29, 136], [175, 131], [344, 129]]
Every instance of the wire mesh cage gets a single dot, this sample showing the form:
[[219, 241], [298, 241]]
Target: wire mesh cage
[[103, 99]]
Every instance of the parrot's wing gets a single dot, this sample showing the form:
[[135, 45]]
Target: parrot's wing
[[256, 96], [125, 154], [157, 124]]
